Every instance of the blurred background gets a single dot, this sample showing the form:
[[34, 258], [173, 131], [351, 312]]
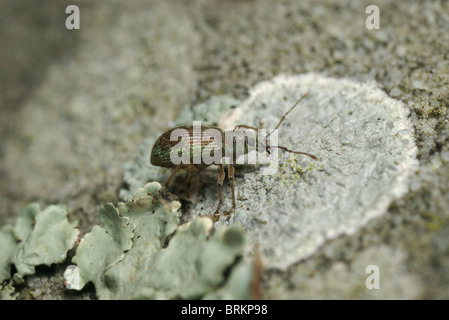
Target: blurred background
[[76, 104]]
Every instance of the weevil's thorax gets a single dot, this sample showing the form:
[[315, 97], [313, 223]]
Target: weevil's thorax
[[242, 142], [254, 142]]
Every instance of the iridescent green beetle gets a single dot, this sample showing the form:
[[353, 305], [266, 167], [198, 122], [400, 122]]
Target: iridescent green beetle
[[195, 141]]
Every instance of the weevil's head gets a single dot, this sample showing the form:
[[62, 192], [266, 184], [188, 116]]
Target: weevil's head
[[253, 142]]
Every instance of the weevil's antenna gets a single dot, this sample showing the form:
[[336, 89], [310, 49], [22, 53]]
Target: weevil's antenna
[[280, 122], [297, 152], [283, 117]]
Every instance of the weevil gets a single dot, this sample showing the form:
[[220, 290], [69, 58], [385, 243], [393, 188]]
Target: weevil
[[165, 146]]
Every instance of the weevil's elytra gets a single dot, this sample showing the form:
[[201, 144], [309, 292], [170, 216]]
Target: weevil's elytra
[[195, 143], [163, 147]]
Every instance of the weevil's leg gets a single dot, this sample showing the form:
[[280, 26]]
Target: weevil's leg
[[231, 172], [221, 177], [167, 183]]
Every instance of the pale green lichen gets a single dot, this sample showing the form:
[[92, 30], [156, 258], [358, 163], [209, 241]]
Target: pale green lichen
[[100, 249], [7, 292], [46, 237], [237, 286], [7, 248], [194, 263], [39, 237], [24, 223], [141, 253]]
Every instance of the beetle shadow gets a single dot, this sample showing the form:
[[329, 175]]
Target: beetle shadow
[[189, 186]]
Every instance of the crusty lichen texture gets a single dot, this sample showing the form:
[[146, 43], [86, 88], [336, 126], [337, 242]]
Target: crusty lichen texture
[[366, 150]]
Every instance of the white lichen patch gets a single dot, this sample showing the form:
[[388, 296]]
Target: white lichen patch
[[366, 152]]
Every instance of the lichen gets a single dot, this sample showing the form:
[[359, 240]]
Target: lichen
[[7, 292], [39, 237], [7, 248], [366, 153], [100, 249], [46, 243], [141, 253]]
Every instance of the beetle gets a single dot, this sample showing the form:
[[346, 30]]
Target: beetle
[[194, 140]]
